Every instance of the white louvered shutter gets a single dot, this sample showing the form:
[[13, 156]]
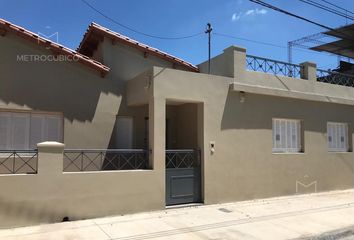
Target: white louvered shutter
[[299, 136], [20, 130], [337, 137], [5, 131], [54, 129], [37, 130], [276, 137], [286, 135], [282, 135]]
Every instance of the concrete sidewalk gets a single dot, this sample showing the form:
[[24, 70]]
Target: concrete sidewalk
[[292, 217]]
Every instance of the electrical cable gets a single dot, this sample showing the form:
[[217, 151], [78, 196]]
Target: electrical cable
[[266, 43], [217, 34], [137, 31], [323, 7], [334, 5], [350, 38]]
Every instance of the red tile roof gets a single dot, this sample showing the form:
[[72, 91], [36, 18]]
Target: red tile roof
[[58, 49], [96, 29]]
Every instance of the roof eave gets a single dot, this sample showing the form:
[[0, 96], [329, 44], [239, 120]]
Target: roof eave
[[56, 49], [95, 28]]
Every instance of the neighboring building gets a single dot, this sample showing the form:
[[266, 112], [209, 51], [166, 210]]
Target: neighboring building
[[143, 129]]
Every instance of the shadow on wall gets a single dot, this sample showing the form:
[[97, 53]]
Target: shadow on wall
[[28, 211], [71, 88], [256, 112], [138, 114], [54, 87]]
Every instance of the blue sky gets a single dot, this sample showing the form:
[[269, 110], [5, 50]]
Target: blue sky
[[240, 18]]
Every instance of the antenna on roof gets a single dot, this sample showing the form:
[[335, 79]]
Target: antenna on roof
[[208, 31]]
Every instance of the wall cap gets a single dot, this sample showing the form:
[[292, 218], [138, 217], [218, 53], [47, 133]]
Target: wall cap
[[51, 144], [310, 64], [235, 48]]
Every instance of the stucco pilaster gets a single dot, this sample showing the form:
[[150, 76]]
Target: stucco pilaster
[[157, 122]]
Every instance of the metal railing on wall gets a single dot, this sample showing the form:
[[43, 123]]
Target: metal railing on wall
[[104, 159], [18, 161], [265, 65], [333, 77], [182, 158]]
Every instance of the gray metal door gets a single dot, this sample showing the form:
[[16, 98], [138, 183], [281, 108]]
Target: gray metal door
[[183, 177]]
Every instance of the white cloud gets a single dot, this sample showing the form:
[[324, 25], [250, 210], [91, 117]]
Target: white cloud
[[250, 12], [261, 11], [236, 16], [256, 12]]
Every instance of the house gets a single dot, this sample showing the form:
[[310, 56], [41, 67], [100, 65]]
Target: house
[[143, 129]]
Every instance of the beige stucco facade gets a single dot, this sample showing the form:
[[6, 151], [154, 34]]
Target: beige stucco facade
[[243, 165], [76, 91], [201, 109]]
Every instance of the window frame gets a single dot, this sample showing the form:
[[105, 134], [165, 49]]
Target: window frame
[[347, 135], [300, 136], [43, 113]]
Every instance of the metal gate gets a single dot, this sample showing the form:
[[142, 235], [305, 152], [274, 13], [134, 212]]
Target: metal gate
[[183, 177]]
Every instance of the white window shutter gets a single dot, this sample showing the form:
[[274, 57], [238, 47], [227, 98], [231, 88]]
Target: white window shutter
[[20, 130], [53, 128], [330, 135], [276, 134], [341, 137], [297, 136], [293, 135], [37, 130], [25, 130], [5, 131], [337, 137], [286, 135], [283, 134], [346, 138], [334, 142]]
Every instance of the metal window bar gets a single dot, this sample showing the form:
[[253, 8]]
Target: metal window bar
[[19, 161], [333, 77], [182, 158], [104, 159], [260, 64]]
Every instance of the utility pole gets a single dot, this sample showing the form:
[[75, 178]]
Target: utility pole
[[208, 31], [290, 52]]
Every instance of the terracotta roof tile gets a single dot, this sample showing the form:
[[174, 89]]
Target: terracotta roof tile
[[35, 38], [96, 28]]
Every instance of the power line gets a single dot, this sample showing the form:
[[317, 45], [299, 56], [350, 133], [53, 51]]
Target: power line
[[200, 33], [289, 13], [334, 5], [350, 38], [326, 8], [137, 31], [323, 7], [249, 40], [265, 43]]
